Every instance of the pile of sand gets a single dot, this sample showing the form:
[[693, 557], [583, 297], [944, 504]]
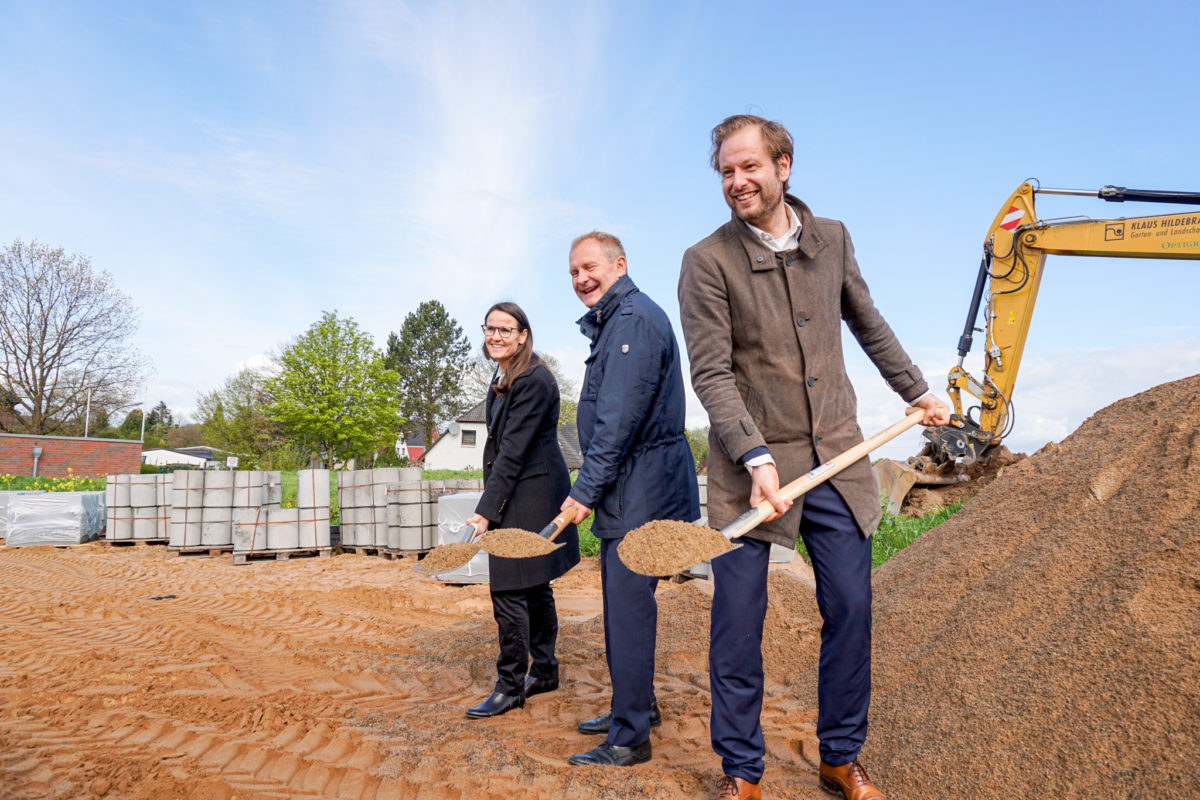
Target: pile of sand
[[1044, 640]]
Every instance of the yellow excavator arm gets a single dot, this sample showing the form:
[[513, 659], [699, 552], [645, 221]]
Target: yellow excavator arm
[[1014, 253]]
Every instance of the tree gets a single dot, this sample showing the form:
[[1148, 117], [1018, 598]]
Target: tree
[[568, 392], [333, 393], [698, 441], [430, 357], [65, 332], [131, 428], [235, 417]]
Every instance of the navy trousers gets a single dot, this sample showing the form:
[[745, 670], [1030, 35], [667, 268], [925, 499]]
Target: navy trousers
[[630, 627], [527, 622], [842, 562]]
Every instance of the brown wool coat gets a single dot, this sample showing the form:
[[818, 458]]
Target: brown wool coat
[[763, 333]]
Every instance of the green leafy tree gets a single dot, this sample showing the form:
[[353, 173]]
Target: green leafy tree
[[334, 394], [430, 357], [235, 417], [131, 428]]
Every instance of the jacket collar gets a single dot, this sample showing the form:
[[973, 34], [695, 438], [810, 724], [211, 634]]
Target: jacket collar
[[596, 316], [763, 257]]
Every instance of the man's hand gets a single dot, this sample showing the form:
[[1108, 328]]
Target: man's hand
[[937, 413], [581, 511], [764, 485], [480, 522]]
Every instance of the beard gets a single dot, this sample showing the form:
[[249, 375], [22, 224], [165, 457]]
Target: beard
[[760, 214]]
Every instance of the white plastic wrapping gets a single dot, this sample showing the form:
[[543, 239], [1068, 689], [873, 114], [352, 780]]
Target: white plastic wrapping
[[4, 500], [54, 518], [452, 512]]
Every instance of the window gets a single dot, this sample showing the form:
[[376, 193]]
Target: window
[[468, 438]]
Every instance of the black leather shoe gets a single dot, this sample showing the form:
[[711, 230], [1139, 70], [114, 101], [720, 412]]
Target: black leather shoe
[[602, 724], [610, 755], [495, 705], [539, 685]]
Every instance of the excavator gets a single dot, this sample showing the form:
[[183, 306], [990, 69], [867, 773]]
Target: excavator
[[1014, 254]]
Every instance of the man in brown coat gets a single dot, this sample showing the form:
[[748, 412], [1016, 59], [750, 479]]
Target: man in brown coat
[[762, 300]]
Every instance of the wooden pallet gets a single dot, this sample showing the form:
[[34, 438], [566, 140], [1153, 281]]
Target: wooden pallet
[[362, 550], [403, 555], [282, 555], [219, 550], [131, 542]]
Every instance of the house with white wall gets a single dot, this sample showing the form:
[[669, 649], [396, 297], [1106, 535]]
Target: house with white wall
[[460, 446]]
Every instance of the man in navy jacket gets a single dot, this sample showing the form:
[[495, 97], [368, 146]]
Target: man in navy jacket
[[637, 467]]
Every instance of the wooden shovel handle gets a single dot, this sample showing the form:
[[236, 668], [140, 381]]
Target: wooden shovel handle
[[556, 526], [754, 517]]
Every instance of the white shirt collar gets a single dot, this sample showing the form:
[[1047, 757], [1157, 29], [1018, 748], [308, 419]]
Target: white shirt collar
[[790, 239]]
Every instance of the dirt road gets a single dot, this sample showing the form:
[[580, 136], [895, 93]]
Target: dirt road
[[337, 678]]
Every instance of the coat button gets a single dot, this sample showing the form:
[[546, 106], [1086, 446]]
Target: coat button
[[788, 261], [812, 381], [760, 259], [816, 440], [801, 320]]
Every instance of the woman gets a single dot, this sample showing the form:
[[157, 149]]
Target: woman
[[525, 483]]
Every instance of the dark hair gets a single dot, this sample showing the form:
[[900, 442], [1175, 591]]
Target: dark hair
[[775, 137], [524, 358]]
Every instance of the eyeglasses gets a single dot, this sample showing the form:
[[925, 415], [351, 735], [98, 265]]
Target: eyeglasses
[[504, 333]]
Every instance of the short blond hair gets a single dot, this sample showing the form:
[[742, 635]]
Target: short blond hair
[[611, 245]]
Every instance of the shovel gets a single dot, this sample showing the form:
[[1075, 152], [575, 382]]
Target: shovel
[[754, 517], [550, 532]]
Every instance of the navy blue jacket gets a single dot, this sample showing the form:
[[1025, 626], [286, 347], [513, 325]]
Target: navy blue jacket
[[637, 465]]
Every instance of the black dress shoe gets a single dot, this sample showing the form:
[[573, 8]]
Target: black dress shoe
[[496, 704], [602, 724], [610, 755], [539, 685]]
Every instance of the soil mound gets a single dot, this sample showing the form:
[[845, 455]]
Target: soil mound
[[1044, 640]]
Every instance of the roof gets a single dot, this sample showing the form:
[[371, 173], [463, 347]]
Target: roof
[[476, 413], [183, 451], [568, 442]]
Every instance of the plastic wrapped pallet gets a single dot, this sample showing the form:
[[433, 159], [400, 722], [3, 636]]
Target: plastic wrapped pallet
[[452, 513], [55, 518], [4, 499]]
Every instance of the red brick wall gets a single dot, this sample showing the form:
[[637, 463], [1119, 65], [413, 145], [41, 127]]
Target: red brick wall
[[85, 457]]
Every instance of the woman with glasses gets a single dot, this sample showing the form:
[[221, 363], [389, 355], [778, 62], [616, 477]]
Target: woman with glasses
[[525, 483]]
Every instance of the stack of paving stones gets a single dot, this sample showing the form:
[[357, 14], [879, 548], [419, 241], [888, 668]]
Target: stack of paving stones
[[312, 503], [407, 512], [362, 497], [137, 508], [118, 523], [187, 508]]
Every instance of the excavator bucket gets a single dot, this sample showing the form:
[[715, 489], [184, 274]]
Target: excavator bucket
[[895, 481]]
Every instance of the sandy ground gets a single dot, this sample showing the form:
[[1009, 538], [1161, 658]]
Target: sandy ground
[[342, 677]]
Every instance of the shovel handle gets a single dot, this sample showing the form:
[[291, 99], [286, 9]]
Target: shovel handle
[[754, 517], [555, 527]]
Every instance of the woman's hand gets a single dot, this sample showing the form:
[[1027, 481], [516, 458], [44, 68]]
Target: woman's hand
[[479, 522]]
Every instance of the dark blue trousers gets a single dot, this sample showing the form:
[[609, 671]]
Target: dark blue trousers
[[630, 626], [842, 562]]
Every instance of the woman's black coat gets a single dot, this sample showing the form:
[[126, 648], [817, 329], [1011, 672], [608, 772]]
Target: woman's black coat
[[525, 477]]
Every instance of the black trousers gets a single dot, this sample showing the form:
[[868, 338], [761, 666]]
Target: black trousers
[[842, 563], [528, 626]]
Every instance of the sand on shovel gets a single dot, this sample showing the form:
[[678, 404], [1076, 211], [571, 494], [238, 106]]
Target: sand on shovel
[[667, 547], [445, 557], [515, 543]]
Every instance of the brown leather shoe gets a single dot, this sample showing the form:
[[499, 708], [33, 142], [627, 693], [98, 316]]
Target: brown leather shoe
[[732, 788], [850, 781]]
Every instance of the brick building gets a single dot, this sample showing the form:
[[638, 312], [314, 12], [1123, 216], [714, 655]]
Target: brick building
[[85, 456]]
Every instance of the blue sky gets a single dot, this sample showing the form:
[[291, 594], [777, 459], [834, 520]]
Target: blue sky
[[241, 167]]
